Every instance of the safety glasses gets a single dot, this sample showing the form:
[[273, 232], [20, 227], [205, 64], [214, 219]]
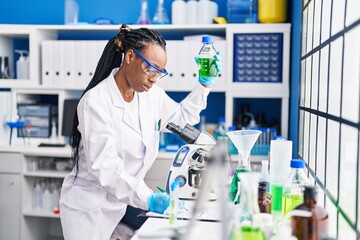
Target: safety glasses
[[150, 69]]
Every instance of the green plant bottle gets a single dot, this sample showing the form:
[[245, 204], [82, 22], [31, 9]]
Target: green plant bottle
[[207, 65]]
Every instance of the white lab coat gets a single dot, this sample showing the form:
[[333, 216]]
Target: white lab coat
[[93, 204]]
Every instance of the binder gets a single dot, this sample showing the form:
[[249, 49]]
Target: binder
[[169, 82], [194, 50], [100, 49], [46, 63], [184, 80], [68, 63], [220, 45], [57, 64], [79, 64], [90, 60]]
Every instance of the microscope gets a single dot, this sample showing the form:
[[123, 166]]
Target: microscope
[[189, 164]]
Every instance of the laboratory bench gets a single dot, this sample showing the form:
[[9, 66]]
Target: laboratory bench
[[22, 167]]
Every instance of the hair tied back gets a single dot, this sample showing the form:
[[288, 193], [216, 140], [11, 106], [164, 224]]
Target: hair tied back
[[120, 38]]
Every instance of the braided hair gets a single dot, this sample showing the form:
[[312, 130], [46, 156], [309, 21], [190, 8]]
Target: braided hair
[[111, 58]]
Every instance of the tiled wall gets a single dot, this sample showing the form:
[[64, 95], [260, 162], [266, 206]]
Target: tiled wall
[[329, 108]]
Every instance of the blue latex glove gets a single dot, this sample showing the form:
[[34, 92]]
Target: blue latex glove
[[158, 202], [218, 65]]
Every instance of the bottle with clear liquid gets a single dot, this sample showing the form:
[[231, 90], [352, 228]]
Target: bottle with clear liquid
[[264, 175], [207, 65], [220, 128], [292, 194], [71, 12], [242, 11]]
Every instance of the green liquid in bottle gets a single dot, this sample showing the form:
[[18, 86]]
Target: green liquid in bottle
[[290, 202], [276, 193], [247, 233], [207, 67], [234, 183]]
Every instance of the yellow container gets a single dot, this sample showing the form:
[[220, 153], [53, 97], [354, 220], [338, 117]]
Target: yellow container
[[272, 11]]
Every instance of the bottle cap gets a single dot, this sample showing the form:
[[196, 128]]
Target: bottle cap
[[207, 39], [232, 128], [297, 163], [310, 191], [221, 120], [263, 185]]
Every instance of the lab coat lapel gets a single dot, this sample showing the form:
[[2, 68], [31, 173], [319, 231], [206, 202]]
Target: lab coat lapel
[[118, 101], [129, 122], [146, 121]]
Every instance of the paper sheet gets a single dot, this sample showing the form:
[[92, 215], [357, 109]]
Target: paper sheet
[[210, 212]]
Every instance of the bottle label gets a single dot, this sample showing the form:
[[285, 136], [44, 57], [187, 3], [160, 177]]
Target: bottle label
[[207, 67]]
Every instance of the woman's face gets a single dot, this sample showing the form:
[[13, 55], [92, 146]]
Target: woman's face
[[139, 74]]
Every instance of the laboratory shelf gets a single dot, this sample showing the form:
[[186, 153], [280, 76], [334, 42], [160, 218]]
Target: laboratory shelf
[[40, 213], [46, 174]]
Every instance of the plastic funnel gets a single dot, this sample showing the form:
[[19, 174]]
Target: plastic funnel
[[244, 141]]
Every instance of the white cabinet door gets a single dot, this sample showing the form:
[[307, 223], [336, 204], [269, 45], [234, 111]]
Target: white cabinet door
[[9, 206]]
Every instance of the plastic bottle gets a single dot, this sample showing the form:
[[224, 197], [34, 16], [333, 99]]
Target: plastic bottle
[[220, 128], [47, 199], [22, 65], [178, 12], [37, 196], [208, 10], [160, 16], [144, 13], [191, 12], [4, 68], [71, 12], [314, 227], [242, 11], [207, 66], [292, 194], [53, 136], [280, 157], [272, 11], [264, 175]]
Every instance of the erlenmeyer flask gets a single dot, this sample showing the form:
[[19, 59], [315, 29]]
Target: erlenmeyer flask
[[144, 13], [244, 225], [161, 16]]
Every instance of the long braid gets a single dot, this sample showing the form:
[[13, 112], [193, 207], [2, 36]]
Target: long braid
[[112, 58]]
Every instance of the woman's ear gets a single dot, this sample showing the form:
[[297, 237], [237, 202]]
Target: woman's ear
[[129, 56]]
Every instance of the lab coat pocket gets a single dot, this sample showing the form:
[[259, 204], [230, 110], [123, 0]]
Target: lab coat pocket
[[86, 198]]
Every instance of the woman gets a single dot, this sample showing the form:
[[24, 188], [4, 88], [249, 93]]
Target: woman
[[116, 135]]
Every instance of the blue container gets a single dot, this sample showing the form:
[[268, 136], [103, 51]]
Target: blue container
[[242, 11]]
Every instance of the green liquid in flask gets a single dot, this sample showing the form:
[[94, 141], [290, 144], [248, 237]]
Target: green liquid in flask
[[290, 202], [234, 183], [207, 67], [247, 233]]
